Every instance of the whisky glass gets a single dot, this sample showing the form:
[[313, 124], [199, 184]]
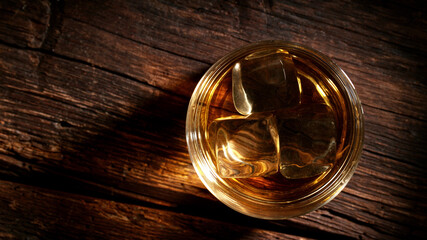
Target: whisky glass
[[268, 198]]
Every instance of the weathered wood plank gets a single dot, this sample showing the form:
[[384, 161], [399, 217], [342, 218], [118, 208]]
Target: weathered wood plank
[[402, 23], [24, 23], [397, 137], [35, 213], [100, 48]]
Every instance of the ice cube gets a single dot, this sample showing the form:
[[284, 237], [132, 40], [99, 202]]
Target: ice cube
[[307, 141], [245, 146], [265, 81]]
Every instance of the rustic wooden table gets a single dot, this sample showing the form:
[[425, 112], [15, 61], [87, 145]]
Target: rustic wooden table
[[93, 100]]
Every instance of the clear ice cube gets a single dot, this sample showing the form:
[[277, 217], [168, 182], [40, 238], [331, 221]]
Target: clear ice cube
[[265, 81], [245, 146], [307, 140]]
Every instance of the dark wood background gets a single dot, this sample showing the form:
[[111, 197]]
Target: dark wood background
[[93, 100]]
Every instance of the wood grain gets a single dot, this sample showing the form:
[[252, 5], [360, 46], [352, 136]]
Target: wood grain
[[93, 98], [24, 23], [36, 213]]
